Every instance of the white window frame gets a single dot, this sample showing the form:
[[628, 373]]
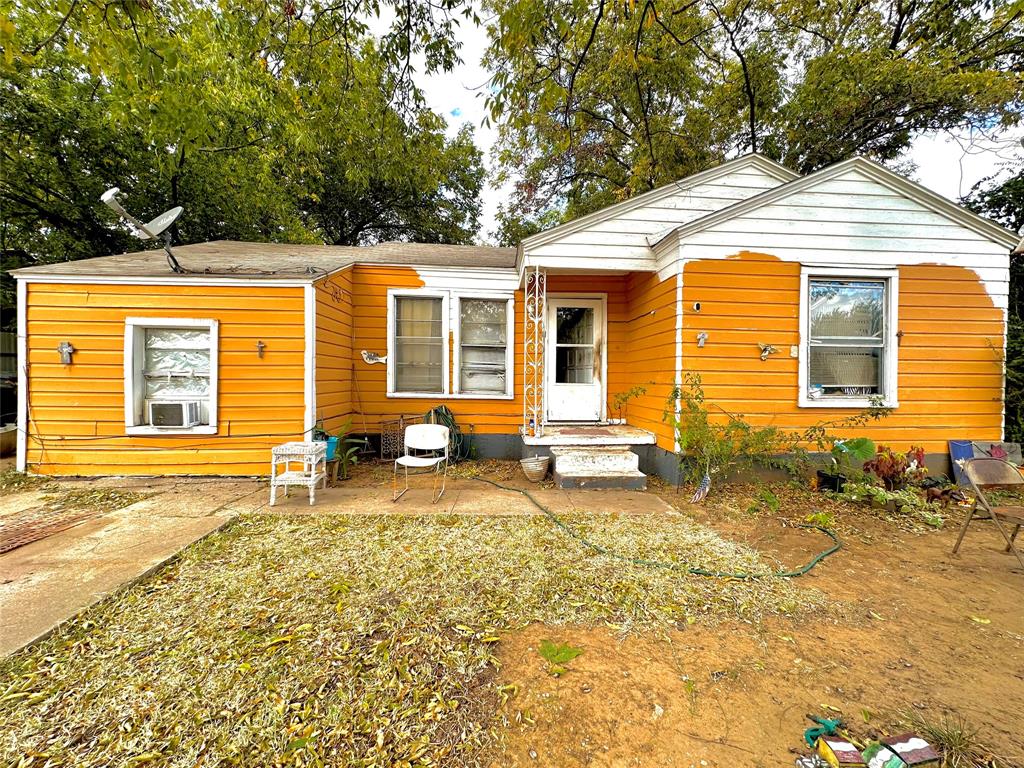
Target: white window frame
[[509, 345], [134, 330], [890, 365], [451, 317], [397, 293]]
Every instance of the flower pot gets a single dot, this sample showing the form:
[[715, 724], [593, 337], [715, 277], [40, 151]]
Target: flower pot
[[830, 482], [536, 468], [332, 448]]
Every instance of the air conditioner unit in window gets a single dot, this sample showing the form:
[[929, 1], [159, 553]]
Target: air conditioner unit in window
[[178, 413]]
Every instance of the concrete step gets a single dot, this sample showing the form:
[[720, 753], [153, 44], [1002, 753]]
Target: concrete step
[[582, 459], [626, 481], [598, 467]]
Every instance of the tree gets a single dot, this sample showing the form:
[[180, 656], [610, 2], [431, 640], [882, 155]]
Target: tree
[[265, 121], [597, 101]]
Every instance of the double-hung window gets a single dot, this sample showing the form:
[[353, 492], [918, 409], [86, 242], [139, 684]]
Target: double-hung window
[[484, 367], [849, 351], [479, 327], [170, 375], [420, 344]]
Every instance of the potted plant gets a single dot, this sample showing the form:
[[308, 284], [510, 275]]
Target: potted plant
[[895, 470], [321, 435], [348, 448], [843, 457]]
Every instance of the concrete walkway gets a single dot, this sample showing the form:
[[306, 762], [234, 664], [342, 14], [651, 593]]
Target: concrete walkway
[[47, 582]]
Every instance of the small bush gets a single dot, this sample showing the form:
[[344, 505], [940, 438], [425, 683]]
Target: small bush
[[713, 444]]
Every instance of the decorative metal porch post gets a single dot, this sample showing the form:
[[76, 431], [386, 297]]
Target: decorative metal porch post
[[533, 352]]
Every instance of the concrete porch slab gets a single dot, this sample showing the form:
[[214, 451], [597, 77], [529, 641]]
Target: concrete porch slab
[[592, 434], [468, 497]]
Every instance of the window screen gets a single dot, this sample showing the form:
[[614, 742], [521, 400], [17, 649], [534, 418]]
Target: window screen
[[419, 344], [483, 339], [847, 338]]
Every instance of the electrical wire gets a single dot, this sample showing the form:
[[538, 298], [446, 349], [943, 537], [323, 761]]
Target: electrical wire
[[681, 567]]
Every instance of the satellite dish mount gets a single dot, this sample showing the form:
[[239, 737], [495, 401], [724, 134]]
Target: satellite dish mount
[[157, 228]]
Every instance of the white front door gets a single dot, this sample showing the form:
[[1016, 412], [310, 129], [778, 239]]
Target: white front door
[[575, 359]]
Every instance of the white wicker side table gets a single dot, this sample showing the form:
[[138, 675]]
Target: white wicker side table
[[313, 458]]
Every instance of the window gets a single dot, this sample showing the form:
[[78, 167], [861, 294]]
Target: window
[[574, 345], [419, 346], [170, 376], [420, 323], [483, 346], [849, 352]]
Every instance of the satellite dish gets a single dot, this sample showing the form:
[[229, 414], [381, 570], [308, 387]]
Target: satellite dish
[[163, 221], [149, 231]]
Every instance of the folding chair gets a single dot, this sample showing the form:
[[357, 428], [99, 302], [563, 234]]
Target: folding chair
[[990, 475], [423, 437]]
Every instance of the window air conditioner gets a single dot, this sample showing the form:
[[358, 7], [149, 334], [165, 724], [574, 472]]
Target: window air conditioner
[[181, 413]]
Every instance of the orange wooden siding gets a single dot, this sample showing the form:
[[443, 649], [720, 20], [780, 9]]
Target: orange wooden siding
[[370, 403], [76, 412], [334, 349], [950, 369], [650, 353]]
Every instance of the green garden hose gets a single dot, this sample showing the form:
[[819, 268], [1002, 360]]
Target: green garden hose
[[565, 527]]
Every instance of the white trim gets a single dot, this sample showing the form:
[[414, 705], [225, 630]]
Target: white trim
[[679, 345], [309, 361], [891, 349], [22, 350], [549, 370], [418, 293], [196, 281], [131, 327], [510, 344]]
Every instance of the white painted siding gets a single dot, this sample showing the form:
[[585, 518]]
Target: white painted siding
[[620, 239], [852, 220]]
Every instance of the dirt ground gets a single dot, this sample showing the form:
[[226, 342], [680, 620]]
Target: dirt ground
[[910, 630]]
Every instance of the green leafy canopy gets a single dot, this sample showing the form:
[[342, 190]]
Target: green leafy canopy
[[597, 101], [267, 121]]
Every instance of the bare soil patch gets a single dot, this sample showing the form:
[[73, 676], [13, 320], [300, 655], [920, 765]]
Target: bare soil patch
[[908, 629]]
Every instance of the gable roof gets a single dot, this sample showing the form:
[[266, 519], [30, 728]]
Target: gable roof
[[874, 171], [753, 160], [230, 258]]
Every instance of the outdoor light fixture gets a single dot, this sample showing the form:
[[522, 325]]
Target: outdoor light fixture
[[260, 346], [66, 350], [701, 338]]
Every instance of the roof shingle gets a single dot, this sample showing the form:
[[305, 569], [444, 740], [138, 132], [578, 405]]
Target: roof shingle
[[229, 258]]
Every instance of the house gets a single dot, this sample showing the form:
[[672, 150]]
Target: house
[[795, 298]]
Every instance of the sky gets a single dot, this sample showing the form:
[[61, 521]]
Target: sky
[[948, 164]]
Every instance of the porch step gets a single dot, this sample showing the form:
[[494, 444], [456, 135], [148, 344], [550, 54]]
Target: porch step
[[597, 467]]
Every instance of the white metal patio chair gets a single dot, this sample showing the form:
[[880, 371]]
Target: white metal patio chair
[[432, 438]]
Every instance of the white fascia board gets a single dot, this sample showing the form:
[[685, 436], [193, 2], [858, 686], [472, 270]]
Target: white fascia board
[[759, 162], [170, 280]]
